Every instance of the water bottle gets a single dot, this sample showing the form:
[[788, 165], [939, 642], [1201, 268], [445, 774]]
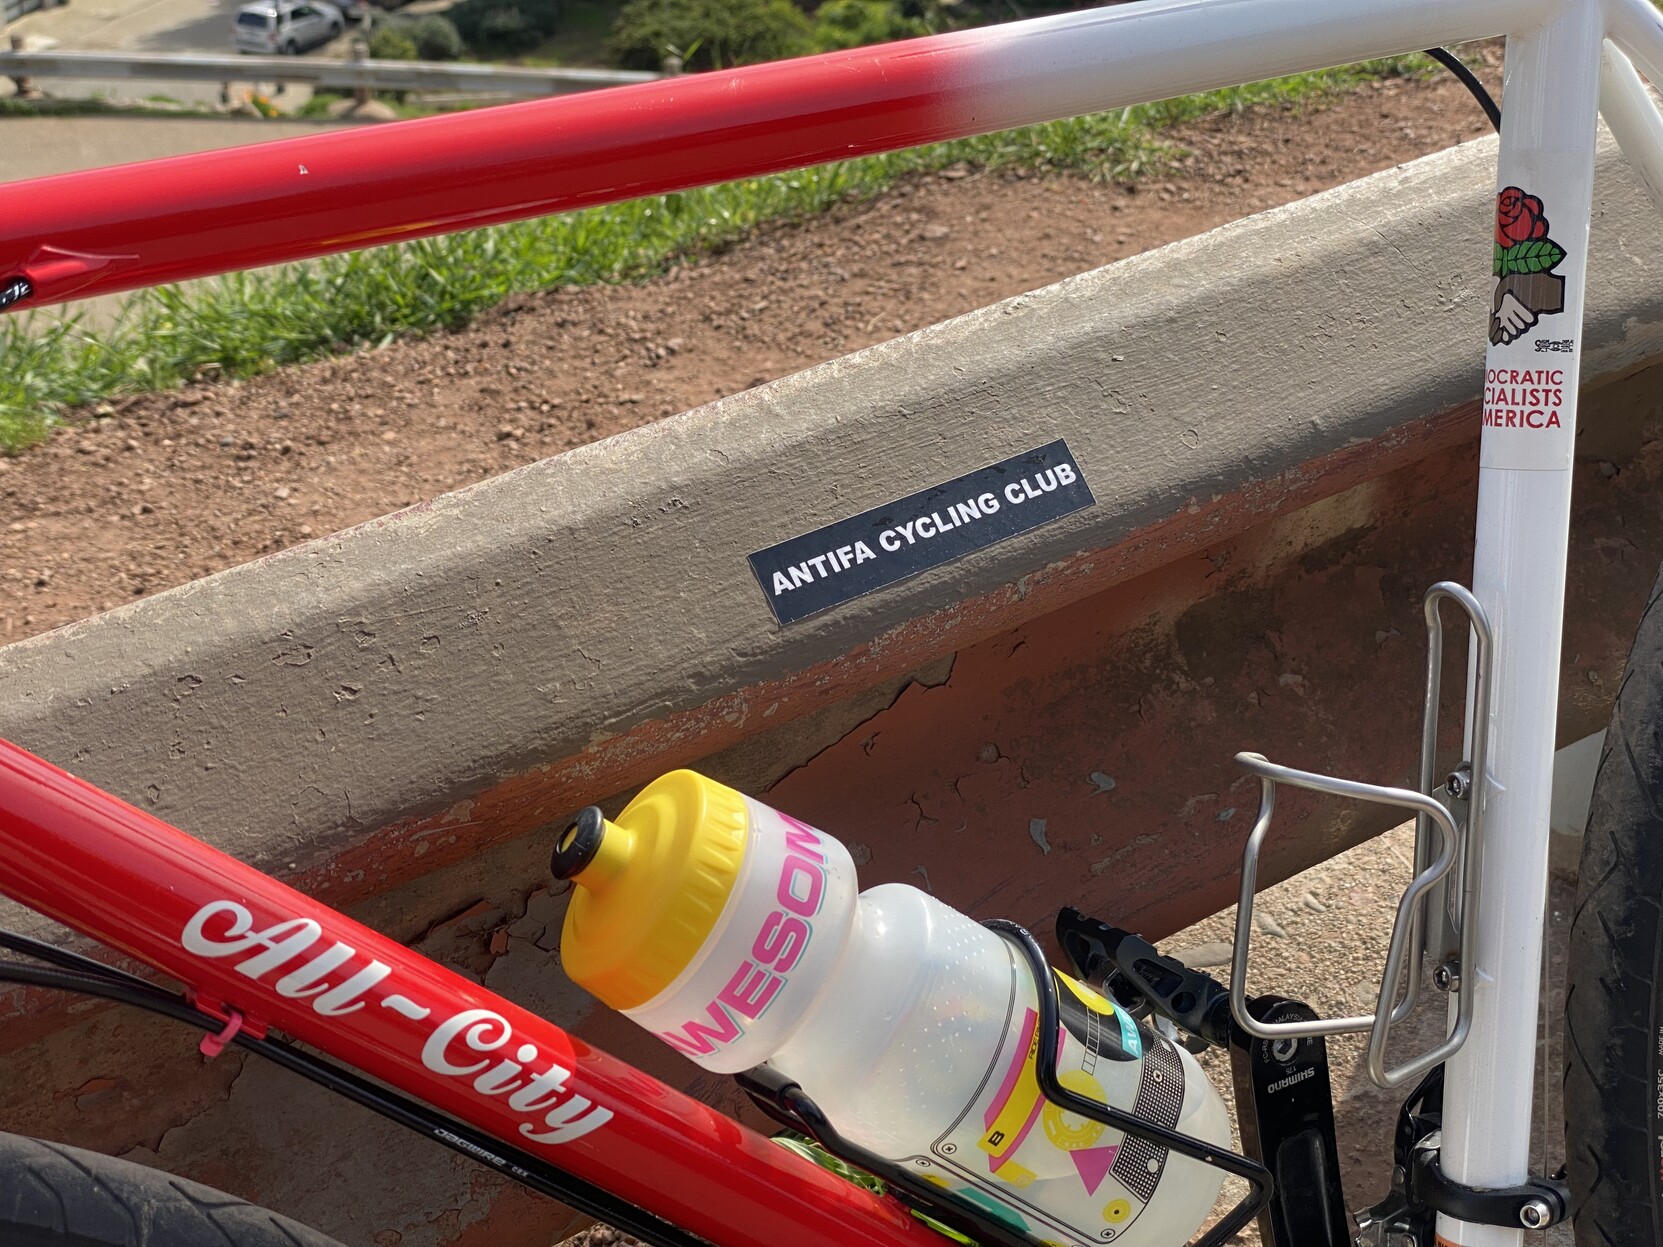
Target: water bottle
[[734, 933]]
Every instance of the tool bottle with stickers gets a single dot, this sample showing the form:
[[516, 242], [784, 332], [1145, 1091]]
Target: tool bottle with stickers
[[734, 933]]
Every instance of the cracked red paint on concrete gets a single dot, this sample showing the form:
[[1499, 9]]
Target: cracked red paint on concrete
[[522, 803], [1302, 639]]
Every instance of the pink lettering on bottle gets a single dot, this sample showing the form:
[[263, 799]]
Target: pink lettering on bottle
[[780, 942], [697, 1039], [803, 839], [802, 886], [750, 991]]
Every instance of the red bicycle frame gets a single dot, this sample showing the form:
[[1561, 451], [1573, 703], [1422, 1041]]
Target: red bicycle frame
[[83, 234], [254, 951], [259, 954]]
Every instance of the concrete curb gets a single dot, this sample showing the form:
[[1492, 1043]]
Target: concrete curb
[[1278, 422], [598, 605]]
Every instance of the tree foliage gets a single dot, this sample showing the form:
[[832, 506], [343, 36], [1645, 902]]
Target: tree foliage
[[505, 25], [709, 34], [857, 23], [389, 43]]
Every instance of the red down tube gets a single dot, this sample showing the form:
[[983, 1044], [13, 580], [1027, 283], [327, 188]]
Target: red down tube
[[244, 941]]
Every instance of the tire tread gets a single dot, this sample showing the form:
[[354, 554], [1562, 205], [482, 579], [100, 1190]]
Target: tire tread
[[52, 1195], [1611, 1000]]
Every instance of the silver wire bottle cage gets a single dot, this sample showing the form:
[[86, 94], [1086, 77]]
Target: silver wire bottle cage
[[1435, 911]]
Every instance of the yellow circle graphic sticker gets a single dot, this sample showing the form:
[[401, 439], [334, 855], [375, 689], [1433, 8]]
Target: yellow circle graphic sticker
[[1069, 1131]]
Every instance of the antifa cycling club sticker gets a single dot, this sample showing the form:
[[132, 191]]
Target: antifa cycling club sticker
[[1527, 288]]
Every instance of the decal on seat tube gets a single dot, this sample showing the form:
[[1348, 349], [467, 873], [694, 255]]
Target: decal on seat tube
[[1535, 320]]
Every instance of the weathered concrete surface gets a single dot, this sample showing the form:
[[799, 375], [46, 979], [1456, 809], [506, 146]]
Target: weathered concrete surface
[[1110, 723], [1089, 752], [369, 706], [1276, 420]]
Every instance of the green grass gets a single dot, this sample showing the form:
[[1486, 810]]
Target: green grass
[[151, 106], [318, 105], [245, 324]]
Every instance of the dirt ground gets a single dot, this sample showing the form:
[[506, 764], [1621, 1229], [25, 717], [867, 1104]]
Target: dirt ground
[[153, 491], [150, 492]]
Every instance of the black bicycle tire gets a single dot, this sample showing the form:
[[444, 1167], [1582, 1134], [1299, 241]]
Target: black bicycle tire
[[52, 1195], [1613, 1002]]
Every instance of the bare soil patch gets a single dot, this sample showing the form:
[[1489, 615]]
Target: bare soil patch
[[164, 488]]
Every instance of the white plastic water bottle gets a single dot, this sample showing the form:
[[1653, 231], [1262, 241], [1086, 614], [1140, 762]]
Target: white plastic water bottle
[[734, 933]]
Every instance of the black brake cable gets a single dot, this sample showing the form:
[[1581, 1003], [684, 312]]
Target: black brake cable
[[40, 950], [71, 972], [1453, 63], [786, 1102]]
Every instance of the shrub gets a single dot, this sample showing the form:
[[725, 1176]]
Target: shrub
[[505, 25], [435, 37], [856, 23], [709, 34], [389, 43]]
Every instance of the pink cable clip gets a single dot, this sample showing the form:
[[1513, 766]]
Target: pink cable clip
[[213, 1044]]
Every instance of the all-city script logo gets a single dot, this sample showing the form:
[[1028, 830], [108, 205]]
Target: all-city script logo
[[1526, 286], [479, 1045]]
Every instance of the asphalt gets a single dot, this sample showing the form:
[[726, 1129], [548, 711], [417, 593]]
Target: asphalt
[[145, 26], [39, 146], [132, 25]]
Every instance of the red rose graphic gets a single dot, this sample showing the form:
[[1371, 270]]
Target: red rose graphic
[[1518, 217]]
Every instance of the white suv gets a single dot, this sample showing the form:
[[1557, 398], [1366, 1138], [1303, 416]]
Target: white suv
[[285, 26]]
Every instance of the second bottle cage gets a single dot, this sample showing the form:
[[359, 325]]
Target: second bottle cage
[[1439, 906], [1436, 911]]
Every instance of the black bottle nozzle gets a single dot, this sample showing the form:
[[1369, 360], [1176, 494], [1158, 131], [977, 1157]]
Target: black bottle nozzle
[[578, 844]]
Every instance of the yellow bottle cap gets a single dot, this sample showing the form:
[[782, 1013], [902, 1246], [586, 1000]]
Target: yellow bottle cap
[[650, 886]]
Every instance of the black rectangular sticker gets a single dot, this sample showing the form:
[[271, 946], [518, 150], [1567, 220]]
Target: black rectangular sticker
[[842, 561]]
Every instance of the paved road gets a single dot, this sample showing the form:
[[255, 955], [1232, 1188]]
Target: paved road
[[37, 146], [202, 26], [133, 25]]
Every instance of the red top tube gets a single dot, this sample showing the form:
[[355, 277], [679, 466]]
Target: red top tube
[[82, 234]]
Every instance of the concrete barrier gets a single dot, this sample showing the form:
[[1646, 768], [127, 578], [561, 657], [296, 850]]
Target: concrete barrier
[[1277, 421]]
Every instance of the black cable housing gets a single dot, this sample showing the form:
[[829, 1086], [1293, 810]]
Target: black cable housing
[[1486, 101], [1251, 1171], [71, 972], [790, 1105]]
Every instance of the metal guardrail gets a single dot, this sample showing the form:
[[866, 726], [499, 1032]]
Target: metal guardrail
[[350, 74]]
